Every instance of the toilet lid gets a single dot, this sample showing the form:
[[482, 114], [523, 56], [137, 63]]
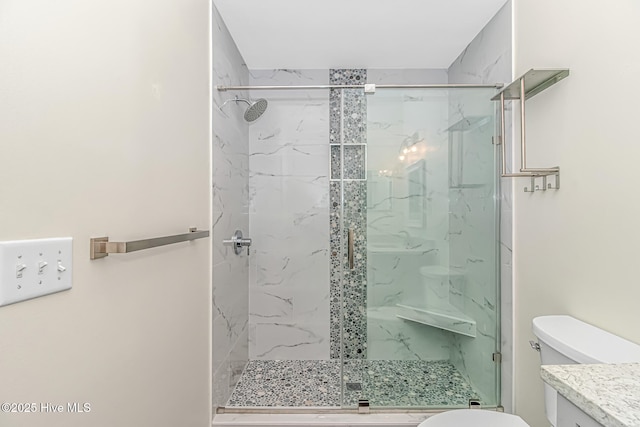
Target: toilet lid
[[473, 418]]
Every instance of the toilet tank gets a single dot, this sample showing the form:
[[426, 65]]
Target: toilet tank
[[565, 340], [572, 341]]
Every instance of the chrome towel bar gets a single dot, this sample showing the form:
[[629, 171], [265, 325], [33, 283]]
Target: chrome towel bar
[[101, 247]]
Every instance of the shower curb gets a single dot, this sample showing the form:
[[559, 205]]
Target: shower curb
[[321, 420]]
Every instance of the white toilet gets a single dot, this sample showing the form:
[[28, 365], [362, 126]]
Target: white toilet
[[562, 340], [473, 418]]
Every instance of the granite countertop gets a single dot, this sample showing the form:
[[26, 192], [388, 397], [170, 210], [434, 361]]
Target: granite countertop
[[610, 394]]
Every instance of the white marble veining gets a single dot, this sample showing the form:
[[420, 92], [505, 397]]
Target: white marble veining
[[289, 220], [230, 161], [609, 393], [392, 338], [396, 117], [471, 236], [393, 275], [487, 59], [295, 341]]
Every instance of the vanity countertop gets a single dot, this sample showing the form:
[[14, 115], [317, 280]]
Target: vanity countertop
[[610, 394]]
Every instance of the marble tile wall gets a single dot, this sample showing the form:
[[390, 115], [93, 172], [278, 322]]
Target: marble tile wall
[[472, 240], [487, 59], [396, 117], [401, 116], [230, 212], [289, 217]]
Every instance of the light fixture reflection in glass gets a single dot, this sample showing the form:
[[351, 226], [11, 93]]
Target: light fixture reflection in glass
[[411, 147]]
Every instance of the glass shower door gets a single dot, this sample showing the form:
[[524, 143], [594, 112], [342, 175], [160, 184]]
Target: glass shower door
[[420, 301]]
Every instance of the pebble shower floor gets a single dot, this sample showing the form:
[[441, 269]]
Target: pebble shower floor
[[316, 383]]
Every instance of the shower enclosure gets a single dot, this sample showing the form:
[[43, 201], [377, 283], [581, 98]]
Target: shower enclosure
[[419, 243], [373, 268]]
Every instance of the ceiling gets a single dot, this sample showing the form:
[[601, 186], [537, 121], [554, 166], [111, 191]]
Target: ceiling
[[321, 34]]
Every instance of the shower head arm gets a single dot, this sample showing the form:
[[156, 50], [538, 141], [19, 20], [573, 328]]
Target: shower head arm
[[254, 110], [236, 99]]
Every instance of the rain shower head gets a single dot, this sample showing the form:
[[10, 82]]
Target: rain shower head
[[255, 109]]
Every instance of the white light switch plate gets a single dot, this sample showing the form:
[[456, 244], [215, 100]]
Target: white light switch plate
[[32, 268]]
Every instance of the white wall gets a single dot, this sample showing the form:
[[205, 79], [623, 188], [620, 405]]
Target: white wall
[[105, 132], [576, 249]]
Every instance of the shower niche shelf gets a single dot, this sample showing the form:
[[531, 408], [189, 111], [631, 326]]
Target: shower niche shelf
[[447, 318], [523, 88]]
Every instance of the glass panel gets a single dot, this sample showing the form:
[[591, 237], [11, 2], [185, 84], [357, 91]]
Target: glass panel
[[420, 303]]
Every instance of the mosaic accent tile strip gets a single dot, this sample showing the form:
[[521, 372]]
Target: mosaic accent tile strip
[[355, 161], [354, 302], [354, 123], [354, 102], [335, 269], [347, 121], [316, 383], [336, 161]]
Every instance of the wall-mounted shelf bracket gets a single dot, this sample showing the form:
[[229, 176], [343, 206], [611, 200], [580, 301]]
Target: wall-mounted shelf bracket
[[525, 87]]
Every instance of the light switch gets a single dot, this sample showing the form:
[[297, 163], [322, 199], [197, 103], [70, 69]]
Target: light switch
[[19, 269], [32, 268], [41, 266]]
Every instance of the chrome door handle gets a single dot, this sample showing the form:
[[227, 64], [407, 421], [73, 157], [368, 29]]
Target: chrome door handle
[[238, 242], [350, 248]]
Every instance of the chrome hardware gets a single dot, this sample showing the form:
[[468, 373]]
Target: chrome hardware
[[350, 248], [534, 345], [363, 406], [100, 247], [369, 87], [526, 86], [474, 404], [497, 357], [238, 242]]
